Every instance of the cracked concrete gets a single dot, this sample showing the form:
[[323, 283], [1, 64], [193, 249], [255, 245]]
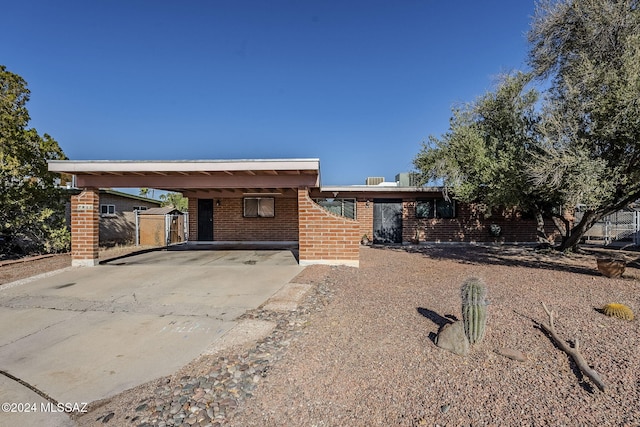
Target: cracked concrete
[[88, 333]]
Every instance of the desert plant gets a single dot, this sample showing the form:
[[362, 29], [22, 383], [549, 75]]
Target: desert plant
[[620, 311], [474, 309]]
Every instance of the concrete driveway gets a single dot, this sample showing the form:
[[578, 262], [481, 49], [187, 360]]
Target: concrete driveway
[[88, 333]]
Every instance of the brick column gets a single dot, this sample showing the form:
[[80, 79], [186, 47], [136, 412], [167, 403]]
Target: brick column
[[326, 238], [85, 222]]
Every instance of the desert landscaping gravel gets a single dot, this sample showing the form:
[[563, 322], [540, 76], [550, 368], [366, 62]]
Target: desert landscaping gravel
[[369, 357], [360, 351]]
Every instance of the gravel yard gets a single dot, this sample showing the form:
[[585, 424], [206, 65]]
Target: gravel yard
[[369, 358], [360, 350]]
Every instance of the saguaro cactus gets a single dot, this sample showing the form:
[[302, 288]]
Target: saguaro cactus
[[474, 309]]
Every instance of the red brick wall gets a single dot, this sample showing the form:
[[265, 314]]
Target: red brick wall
[[193, 218], [229, 222], [364, 215], [325, 237], [85, 227], [469, 225]]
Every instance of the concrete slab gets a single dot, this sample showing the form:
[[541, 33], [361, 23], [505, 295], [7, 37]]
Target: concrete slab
[[287, 298], [88, 333], [27, 408]]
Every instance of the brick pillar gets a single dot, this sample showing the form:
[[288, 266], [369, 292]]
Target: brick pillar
[[85, 226], [326, 238]]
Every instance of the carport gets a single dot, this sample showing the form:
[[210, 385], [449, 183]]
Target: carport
[[229, 201]]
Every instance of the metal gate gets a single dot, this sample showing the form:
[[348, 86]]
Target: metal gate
[[387, 221], [623, 225]]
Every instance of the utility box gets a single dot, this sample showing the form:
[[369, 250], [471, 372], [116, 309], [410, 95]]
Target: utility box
[[160, 226]]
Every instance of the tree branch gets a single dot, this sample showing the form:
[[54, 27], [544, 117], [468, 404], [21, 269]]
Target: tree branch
[[573, 352]]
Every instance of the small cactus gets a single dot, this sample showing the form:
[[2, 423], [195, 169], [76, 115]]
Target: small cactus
[[620, 311], [474, 309]]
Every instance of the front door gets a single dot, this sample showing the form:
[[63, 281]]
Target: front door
[[387, 221], [205, 220]]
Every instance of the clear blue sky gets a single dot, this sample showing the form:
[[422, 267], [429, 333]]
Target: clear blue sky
[[358, 84]]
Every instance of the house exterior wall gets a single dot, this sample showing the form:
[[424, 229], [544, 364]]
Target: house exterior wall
[[193, 218], [326, 238], [85, 229], [469, 225], [118, 228], [364, 215], [229, 223], [124, 204]]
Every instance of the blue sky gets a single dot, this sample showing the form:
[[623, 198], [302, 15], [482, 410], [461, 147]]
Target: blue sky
[[358, 84]]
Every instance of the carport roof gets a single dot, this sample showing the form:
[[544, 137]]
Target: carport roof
[[193, 177]]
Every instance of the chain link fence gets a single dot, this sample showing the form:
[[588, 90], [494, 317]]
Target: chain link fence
[[621, 226]]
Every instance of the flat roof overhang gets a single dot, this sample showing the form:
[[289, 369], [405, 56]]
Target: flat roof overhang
[[374, 191], [196, 178]]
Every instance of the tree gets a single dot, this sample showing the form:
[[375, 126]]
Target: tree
[[580, 143], [590, 52], [176, 200], [32, 211], [484, 157]]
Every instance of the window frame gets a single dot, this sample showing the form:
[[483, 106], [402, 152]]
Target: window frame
[[433, 208], [342, 200], [260, 212], [109, 207]]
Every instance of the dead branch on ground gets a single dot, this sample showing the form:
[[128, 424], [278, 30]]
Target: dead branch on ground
[[573, 352]]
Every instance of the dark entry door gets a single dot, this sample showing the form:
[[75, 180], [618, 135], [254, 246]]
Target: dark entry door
[[387, 221], [205, 220]]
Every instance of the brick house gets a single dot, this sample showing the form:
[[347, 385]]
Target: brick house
[[282, 200]]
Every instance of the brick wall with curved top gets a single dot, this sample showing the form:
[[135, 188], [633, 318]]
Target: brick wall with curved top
[[326, 238]]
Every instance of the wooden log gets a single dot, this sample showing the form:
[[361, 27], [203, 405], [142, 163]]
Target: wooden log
[[573, 352]]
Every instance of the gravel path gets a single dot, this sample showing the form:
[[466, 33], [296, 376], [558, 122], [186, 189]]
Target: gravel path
[[360, 350]]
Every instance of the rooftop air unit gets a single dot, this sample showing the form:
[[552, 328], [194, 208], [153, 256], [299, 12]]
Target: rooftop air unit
[[374, 180]]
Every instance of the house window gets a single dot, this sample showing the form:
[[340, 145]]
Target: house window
[[259, 207], [435, 208], [139, 208], [107, 210], [342, 207]]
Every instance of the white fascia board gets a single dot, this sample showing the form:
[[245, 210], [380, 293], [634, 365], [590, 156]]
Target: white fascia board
[[378, 189], [79, 166]]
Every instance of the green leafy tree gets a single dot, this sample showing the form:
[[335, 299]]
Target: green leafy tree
[[590, 52], [483, 158], [31, 207], [577, 144], [176, 200]]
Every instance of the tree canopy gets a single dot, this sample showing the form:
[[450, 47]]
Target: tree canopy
[[31, 213], [577, 142], [176, 200]]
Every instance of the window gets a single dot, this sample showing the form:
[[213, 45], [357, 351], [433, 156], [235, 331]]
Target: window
[[435, 208], [259, 207], [107, 210], [342, 207], [139, 208]]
